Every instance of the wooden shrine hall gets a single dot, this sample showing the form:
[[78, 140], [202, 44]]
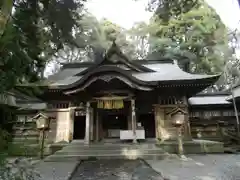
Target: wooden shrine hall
[[114, 98]]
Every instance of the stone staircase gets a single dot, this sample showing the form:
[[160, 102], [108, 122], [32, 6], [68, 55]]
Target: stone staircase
[[80, 151]]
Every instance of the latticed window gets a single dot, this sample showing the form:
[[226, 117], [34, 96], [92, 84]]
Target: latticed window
[[21, 118], [24, 118], [195, 114], [58, 105], [228, 113], [170, 100], [209, 114]]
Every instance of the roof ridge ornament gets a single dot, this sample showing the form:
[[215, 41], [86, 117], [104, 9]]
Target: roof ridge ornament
[[113, 49]]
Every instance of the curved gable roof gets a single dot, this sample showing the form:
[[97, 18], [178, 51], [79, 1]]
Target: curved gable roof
[[74, 81]]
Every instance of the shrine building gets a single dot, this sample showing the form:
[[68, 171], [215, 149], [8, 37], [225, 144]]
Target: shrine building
[[115, 99]]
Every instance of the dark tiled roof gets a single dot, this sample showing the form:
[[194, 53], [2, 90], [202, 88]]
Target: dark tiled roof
[[32, 106], [142, 71], [163, 71], [65, 73]]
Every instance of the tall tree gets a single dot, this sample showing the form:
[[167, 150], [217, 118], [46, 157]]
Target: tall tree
[[31, 31], [93, 39], [190, 28], [139, 37]]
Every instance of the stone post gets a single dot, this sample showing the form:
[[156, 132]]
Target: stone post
[[87, 126], [134, 123]]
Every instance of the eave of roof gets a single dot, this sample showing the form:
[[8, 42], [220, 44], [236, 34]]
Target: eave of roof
[[32, 106], [219, 93], [163, 72], [208, 100], [150, 72]]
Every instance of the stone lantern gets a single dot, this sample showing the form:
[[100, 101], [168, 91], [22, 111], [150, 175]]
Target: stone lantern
[[178, 120], [42, 124]]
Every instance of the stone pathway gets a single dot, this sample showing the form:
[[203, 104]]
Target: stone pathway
[[56, 170], [200, 167], [195, 167], [115, 170]]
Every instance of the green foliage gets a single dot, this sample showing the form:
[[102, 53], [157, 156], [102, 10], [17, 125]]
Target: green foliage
[[18, 169], [166, 9], [93, 39], [30, 34], [183, 29], [4, 139], [22, 149]]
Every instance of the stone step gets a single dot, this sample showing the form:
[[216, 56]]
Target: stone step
[[107, 151], [81, 143], [68, 148], [110, 146], [58, 158], [22, 139]]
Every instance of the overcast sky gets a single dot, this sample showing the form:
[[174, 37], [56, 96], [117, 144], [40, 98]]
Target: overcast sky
[[127, 12]]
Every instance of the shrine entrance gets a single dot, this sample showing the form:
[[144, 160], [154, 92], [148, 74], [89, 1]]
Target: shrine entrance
[[113, 117], [147, 121], [79, 126], [113, 123]]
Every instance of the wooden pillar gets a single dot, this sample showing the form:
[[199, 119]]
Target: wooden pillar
[[97, 126], [187, 129], [100, 127], [87, 126], [71, 123], [134, 125], [91, 124], [129, 119]]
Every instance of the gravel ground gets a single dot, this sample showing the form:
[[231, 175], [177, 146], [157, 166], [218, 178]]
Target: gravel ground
[[200, 167], [115, 170]]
